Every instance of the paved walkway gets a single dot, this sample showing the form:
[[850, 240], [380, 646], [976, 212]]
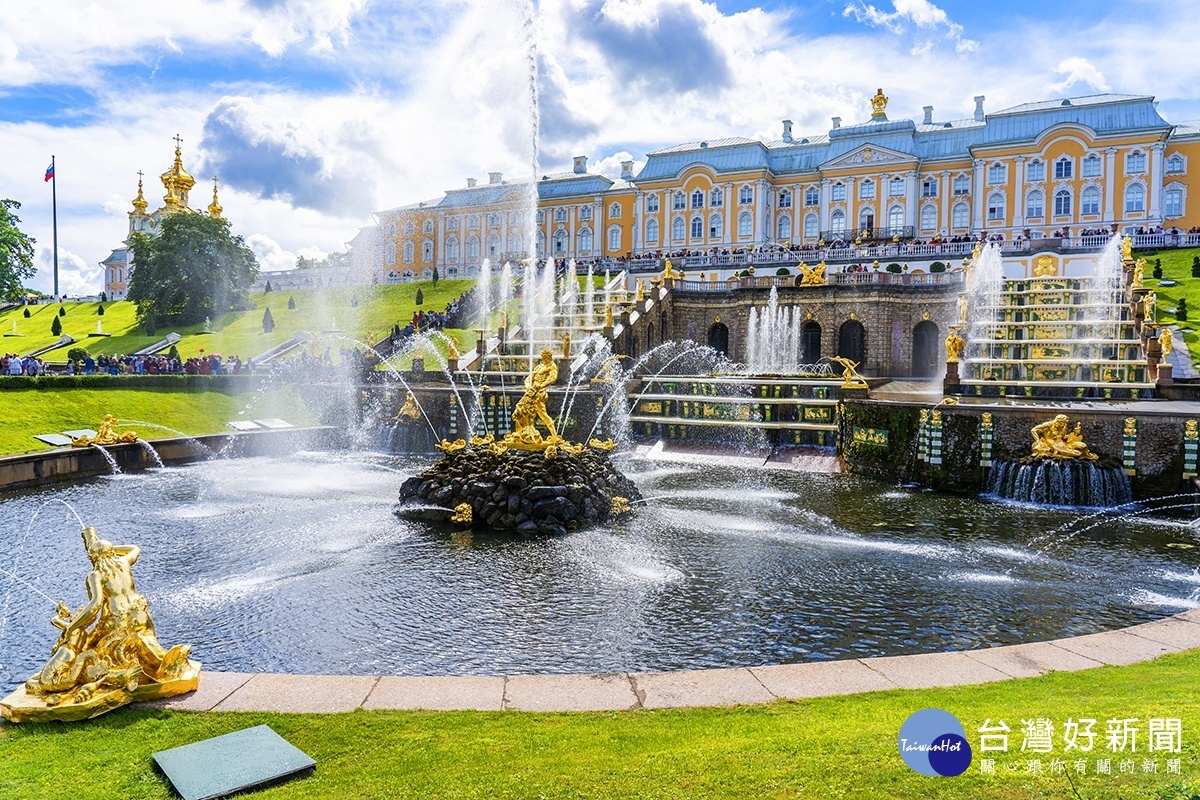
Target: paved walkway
[[231, 691]]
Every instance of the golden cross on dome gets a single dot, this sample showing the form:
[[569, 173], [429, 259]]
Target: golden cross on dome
[[178, 141]]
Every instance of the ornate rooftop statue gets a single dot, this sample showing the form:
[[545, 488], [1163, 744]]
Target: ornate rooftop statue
[[879, 105], [1054, 439], [108, 654]]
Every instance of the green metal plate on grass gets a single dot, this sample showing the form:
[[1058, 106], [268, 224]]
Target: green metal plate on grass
[[248, 759]]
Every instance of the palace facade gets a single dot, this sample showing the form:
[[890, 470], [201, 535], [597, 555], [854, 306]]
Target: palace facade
[[1046, 169], [178, 184]]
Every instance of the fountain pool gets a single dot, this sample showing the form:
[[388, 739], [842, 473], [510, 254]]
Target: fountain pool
[[297, 564]]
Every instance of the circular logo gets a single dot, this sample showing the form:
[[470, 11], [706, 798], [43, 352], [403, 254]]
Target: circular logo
[[933, 742]]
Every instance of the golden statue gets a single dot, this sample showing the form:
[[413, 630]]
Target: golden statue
[[1127, 248], [619, 505], [1191, 430], [963, 308], [1166, 341], [850, 377], [1139, 269], [605, 373], [446, 446], [105, 434], [641, 289], [954, 346], [566, 341], [668, 271], [532, 407], [812, 276], [604, 445], [410, 409], [452, 347], [369, 340], [1044, 267], [879, 105], [608, 316], [1150, 304], [462, 514], [482, 441], [503, 320], [108, 654], [1053, 439]]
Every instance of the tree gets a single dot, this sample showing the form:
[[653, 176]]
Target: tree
[[16, 252], [435, 275], [27, 314], [56, 327], [99, 310], [77, 354], [268, 322], [173, 353], [420, 298], [1196, 266], [1181, 310], [62, 311], [195, 268], [1157, 271], [267, 290], [291, 303]]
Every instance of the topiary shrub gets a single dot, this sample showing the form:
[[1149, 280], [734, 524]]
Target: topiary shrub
[[1181, 310], [56, 327], [62, 311], [1196, 266], [895, 268], [783, 271], [77, 354], [420, 298], [99, 311], [267, 289], [173, 353], [435, 275], [937, 266], [291, 304], [27, 314], [268, 321], [1157, 271]]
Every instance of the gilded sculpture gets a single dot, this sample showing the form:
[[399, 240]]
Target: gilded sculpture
[[1166, 341], [964, 307], [812, 276], [108, 654], [1139, 270], [446, 446], [452, 348], [531, 408], [566, 344], [1150, 305], [608, 316], [850, 377], [879, 104], [619, 505], [1044, 267], [605, 373], [641, 290], [1191, 430], [463, 514], [954, 346], [410, 409], [1055, 439], [105, 434], [1127, 247]]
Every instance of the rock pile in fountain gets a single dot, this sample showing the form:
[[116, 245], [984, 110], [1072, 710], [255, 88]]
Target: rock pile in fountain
[[525, 482]]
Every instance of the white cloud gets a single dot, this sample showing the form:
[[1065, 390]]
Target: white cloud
[[271, 257], [1077, 71], [920, 13], [610, 166]]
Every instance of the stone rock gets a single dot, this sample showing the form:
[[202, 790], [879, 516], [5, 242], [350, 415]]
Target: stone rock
[[542, 492]]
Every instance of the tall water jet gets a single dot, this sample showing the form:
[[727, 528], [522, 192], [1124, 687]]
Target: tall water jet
[[985, 282], [589, 300], [484, 293], [1103, 297]]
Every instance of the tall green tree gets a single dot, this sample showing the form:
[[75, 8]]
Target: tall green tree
[[16, 252], [195, 268]]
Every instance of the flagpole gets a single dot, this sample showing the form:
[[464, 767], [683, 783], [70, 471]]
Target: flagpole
[[54, 207]]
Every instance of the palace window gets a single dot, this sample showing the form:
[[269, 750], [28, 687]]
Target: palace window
[[652, 231], [746, 196], [409, 228], [652, 204], [391, 252], [837, 222], [1063, 168], [493, 220], [1035, 171], [452, 223], [493, 246], [473, 248], [560, 215], [408, 252], [716, 228], [697, 228], [427, 251], [541, 244], [1135, 198], [812, 197], [1174, 165], [452, 249], [585, 212], [678, 227], [745, 225], [962, 185], [560, 243], [1062, 202], [391, 229], [614, 211], [811, 224], [1089, 202], [1135, 163], [995, 208], [1035, 205], [585, 240], [1173, 203], [839, 191], [866, 190], [427, 227], [716, 198], [697, 199], [785, 199], [515, 243], [960, 215], [614, 239], [541, 217], [783, 230], [678, 201], [896, 218], [929, 187], [1091, 166], [928, 218], [997, 174], [896, 187]]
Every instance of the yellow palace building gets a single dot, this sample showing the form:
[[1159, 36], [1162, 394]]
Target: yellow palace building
[[1068, 168]]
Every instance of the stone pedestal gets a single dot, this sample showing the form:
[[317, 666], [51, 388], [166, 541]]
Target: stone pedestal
[[854, 392], [1164, 374], [452, 364], [564, 371], [607, 332], [418, 364], [950, 385], [480, 347], [641, 306]]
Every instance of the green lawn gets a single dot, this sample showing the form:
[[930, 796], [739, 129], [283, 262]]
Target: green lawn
[[840, 747], [1177, 266], [238, 333], [33, 411]]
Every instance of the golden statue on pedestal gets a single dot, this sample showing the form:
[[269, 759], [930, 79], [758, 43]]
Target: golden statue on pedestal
[[641, 290], [108, 654], [1127, 248], [954, 346], [1053, 439], [608, 316], [1139, 270], [1044, 267], [452, 349], [531, 409], [669, 272], [964, 308], [410, 409], [879, 105], [1166, 341], [105, 434], [812, 276], [850, 377]]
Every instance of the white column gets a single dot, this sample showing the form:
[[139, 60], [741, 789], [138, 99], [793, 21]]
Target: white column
[[638, 235], [599, 230], [1110, 183], [1154, 182], [851, 209], [912, 199], [761, 236], [980, 198], [946, 201], [440, 241], [1018, 215], [823, 208]]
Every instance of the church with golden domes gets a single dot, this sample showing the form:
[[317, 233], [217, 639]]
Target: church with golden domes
[[178, 184]]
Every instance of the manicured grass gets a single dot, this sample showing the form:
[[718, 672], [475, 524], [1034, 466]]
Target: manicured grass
[[840, 747], [1177, 266], [238, 333], [33, 411]]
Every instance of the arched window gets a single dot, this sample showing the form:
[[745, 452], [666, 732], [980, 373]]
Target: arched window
[[677, 201], [812, 196], [585, 212], [678, 228], [408, 252], [541, 217], [1091, 166], [783, 229], [716, 227], [716, 198], [391, 252], [614, 239], [745, 225], [896, 217], [866, 220], [1063, 168], [614, 211], [391, 229], [697, 228], [493, 246], [652, 231], [928, 218], [960, 216], [995, 207], [1135, 163], [810, 226], [428, 226], [427, 251], [746, 196], [452, 249], [408, 228], [541, 244], [997, 174], [837, 222], [560, 242], [1089, 203], [1062, 203], [515, 243], [1173, 202], [697, 199], [1035, 205], [962, 185], [472, 248], [585, 240], [493, 220], [785, 199], [929, 187], [652, 204], [1135, 198], [1035, 171], [1174, 165]]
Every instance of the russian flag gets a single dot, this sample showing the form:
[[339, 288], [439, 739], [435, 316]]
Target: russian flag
[[50, 171]]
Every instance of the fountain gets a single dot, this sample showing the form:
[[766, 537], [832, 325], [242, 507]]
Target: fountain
[[524, 481], [105, 435]]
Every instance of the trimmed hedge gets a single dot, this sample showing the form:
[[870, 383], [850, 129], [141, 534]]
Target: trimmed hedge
[[203, 382]]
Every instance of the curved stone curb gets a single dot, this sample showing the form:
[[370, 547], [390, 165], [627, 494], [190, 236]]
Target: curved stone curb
[[231, 691]]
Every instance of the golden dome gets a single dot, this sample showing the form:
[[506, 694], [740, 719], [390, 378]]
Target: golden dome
[[177, 180], [214, 208], [139, 202]]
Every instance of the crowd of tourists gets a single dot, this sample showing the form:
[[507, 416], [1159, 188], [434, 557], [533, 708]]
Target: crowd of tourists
[[452, 316]]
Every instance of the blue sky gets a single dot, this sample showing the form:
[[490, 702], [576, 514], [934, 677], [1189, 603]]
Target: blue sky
[[313, 113]]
